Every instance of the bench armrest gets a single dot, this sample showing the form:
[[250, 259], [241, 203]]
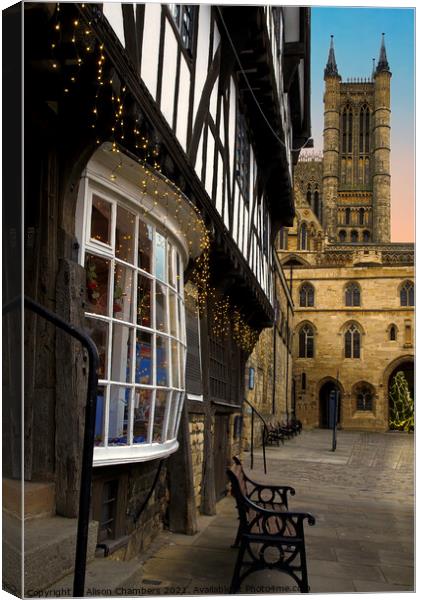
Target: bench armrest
[[284, 516], [277, 493]]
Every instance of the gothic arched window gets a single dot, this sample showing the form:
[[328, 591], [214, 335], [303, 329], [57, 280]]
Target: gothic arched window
[[316, 207], [347, 216], [352, 342], [361, 216], [364, 129], [354, 236], [352, 295], [347, 130], [303, 241], [364, 396], [407, 294], [366, 236], [307, 295], [342, 236], [306, 342], [309, 195], [392, 333]]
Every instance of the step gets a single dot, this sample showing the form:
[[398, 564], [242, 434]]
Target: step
[[39, 498], [49, 546], [105, 577]]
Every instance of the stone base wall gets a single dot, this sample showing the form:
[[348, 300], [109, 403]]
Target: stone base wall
[[137, 481]]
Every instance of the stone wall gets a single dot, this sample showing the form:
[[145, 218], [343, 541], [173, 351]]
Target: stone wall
[[271, 392], [138, 480], [380, 308]]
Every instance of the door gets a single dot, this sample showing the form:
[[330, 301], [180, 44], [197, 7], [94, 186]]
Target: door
[[326, 405]]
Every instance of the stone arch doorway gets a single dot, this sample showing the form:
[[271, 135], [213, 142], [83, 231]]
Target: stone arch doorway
[[325, 408], [406, 366]]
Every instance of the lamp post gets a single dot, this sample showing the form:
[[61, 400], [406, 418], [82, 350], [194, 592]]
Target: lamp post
[[335, 411]]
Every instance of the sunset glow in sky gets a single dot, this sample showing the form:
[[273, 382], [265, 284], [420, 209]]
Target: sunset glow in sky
[[357, 37]]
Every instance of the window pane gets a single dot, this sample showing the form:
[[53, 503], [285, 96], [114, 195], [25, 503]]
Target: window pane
[[121, 357], [99, 416], [123, 293], [97, 278], [302, 344], [171, 271], [101, 220], [181, 326], [160, 252], [310, 297], [174, 364], [310, 347], [142, 413], [161, 361], [124, 235], [173, 313], [302, 297], [144, 311], [98, 330], [182, 352], [348, 339], [179, 273], [356, 353], [161, 399], [119, 410], [356, 297], [411, 295], [144, 358], [145, 247], [161, 322], [348, 297]]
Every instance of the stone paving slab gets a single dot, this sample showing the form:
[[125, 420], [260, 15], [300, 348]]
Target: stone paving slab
[[363, 540]]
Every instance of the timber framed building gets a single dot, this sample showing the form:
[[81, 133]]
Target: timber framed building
[[160, 142]]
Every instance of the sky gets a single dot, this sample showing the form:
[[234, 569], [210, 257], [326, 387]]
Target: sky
[[357, 37]]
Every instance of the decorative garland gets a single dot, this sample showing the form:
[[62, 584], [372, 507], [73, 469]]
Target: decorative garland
[[224, 312], [226, 315]]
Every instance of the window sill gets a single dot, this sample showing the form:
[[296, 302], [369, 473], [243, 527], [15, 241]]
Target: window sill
[[363, 414], [132, 454]]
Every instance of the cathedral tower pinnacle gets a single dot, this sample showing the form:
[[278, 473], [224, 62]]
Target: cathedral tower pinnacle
[[331, 67], [331, 142], [381, 148]]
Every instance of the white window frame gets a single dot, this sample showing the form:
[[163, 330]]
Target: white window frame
[[91, 184]]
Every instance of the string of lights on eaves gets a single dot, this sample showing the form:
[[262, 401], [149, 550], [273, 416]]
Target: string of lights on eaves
[[226, 316]]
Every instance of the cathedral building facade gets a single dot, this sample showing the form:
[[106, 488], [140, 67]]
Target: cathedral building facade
[[352, 288]]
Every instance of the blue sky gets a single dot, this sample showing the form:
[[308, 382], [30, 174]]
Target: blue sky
[[357, 37]]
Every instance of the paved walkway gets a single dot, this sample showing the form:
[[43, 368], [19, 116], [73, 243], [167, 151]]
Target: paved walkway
[[362, 497]]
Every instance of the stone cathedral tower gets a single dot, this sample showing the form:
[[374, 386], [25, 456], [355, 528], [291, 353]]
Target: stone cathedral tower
[[356, 157]]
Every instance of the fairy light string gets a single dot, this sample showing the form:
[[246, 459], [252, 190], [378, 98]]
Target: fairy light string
[[125, 129]]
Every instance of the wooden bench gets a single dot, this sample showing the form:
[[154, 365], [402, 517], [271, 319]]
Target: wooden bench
[[268, 538]]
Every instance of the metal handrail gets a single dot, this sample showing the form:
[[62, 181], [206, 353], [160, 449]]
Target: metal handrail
[[265, 432], [89, 432]]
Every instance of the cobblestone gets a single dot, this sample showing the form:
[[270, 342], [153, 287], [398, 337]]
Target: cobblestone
[[362, 496]]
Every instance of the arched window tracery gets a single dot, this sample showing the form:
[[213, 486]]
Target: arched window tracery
[[352, 341], [352, 295], [306, 295], [306, 341], [407, 293]]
